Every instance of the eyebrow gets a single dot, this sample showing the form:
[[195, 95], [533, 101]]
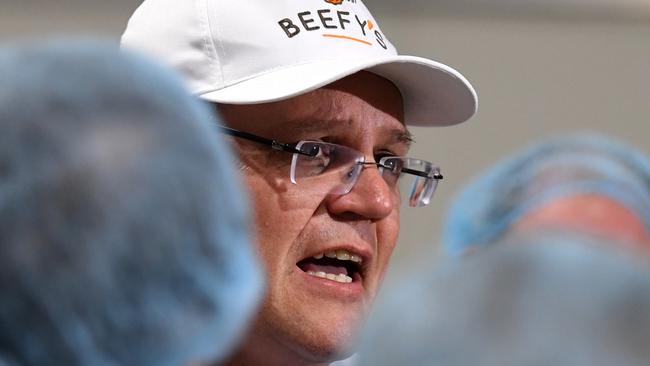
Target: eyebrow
[[404, 136]]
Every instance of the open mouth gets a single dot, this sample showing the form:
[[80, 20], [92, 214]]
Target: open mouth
[[337, 265]]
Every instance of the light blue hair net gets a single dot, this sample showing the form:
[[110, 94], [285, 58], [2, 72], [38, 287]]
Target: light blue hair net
[[123, 234], [558, 298], [562, 166]]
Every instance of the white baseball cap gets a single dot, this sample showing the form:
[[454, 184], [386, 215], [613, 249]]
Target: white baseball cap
[[257, 51]]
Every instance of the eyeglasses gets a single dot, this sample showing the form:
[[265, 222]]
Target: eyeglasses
[[335, 169]]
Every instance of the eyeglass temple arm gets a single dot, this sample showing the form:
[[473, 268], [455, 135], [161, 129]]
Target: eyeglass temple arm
[[437, 176], [261, 140]]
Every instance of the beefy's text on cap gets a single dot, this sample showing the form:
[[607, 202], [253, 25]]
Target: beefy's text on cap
[[335, 24]]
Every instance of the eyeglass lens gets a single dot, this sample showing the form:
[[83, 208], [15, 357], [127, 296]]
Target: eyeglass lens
[[337, 168], [415, 189]]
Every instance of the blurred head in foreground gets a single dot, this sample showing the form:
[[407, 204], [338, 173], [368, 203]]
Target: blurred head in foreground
[[567, 302], [124, 238], [583, 182]]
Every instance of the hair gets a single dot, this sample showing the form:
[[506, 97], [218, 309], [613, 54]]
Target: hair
[[580, 163], [542, 299], [124, 236]]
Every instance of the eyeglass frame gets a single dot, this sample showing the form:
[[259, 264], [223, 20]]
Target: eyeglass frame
[[291, 148]]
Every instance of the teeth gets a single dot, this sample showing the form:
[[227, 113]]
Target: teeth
[[332, 277], [340, 254], [343, 278], [343, 255]]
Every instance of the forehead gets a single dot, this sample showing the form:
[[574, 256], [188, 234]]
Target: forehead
[[362, 103], [588, 212]]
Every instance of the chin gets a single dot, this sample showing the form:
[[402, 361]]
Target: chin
[[329, 347], [317, 337]]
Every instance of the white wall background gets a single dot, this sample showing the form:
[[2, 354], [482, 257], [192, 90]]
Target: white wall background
[[535, 78]]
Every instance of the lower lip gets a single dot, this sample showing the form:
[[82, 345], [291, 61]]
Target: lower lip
[[329, 288]]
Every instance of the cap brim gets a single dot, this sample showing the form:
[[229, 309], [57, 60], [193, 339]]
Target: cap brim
[[434, 94]]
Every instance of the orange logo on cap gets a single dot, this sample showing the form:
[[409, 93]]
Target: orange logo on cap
[[335, 2]]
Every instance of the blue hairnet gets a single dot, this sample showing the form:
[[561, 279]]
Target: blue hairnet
[[123, 233], [562, 166], [541, 298]]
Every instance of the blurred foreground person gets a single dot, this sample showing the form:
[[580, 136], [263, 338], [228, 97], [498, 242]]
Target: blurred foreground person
[[123, 237], [583, 182], [570, 301]]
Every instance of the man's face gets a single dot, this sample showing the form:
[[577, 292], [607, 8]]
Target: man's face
[[310, 316]]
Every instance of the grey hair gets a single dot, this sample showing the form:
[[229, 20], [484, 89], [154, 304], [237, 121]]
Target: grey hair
[[124, 236], [547, 299]]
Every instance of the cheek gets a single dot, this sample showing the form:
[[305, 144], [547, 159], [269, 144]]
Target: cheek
[[279, 215], [389, 228], [387, 235]]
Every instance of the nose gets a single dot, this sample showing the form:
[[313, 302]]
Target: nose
[[370, 198]]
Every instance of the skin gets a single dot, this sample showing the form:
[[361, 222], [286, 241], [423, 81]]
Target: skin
[[306, 320], [591, 213]]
